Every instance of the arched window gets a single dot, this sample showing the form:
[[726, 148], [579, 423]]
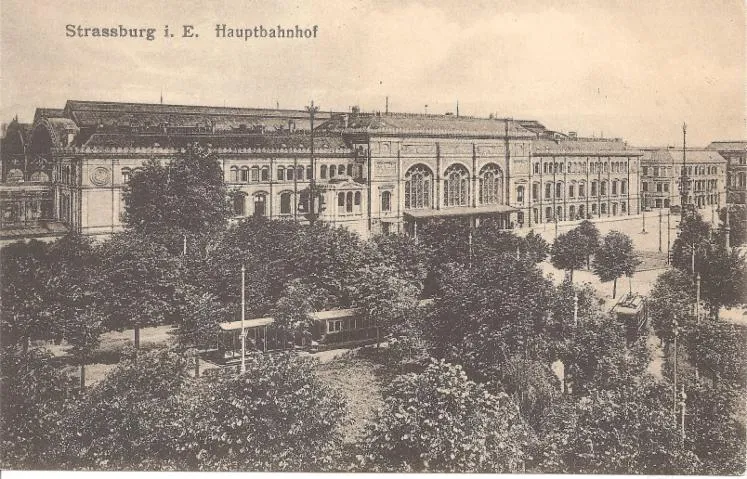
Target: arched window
[[558, 190], [255, 174], [281, 173], [581, 189], [285, 203], [491, 185], [289, 173], [15, 175], [623, 206], [571, 191], [332, 171], [239, 201], [603, 208], [309, 172], [386, 201], [536, 168], [340, 202], [624, 187], [350, 170], [456, 186], [418, 187], [349, 202], [603, 188], [260, 204], [548, 191], [520, 194], [323, 172], [234, 175], [126, 174], [341, 170], [357, 198], [39, 176], [265, 173], [245, 174], [299, 173]]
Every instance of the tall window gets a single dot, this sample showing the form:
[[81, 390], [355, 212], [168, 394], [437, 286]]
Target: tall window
[[558, 190], [357, 198], [341, 202], [341, 170], [299, 173], [350, 170], [265, 173], [603, 189], [281, 173], [349, 202], [309, 172], [260, 204], [623, 187], [285, 203], [323, 171], [255, 173], [456, 186], [593, 188], [386, 201], [418, 184], [289, 173], [245, 174], [126, 175], [535, 191], [548, 191], [571, 191], [491, 185], [238, 204], [520, 194], [581, 190]]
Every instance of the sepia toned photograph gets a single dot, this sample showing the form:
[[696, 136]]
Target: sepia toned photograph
[[373, 236]]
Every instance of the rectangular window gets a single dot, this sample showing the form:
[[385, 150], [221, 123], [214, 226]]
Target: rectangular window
[[548, 191], [645, 186], [614, 187], [309, 172], [265, 173], [245, 175], [581, 190], [255, 174], [281, 173], [334, 326], [571, 191], [535, 191], [645, 171], [289, 174], [594, 189], [659, 187], [623, 187]]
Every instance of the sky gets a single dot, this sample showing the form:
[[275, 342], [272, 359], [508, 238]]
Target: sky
[[617, 68]]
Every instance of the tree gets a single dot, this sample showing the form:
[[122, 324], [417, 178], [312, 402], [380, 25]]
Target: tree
[[589, 231], [671, 299], [627, 429], [187, 194], [614, 258], [387, 300], [34, 393], [536, 246], [569, 251], [694, 236], [723, 277], [401, 252], [136, 282], [737, 224], [197, 324], [83, 334], [129, 420], [25, 267], [292, 312], [278, 416], [440, 421]]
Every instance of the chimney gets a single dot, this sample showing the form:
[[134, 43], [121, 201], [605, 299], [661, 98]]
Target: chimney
[[386, 108]]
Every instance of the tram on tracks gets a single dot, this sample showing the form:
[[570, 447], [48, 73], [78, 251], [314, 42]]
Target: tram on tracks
[[332, 328], [632, 311]]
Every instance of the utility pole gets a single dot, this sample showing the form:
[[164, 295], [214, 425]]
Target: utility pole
[[243, 314], [692, 260], [727, 228], [683, 180], [312, 190], [660, 230], [683, 397], [669, 229], [674, 375], [697, 298], [643, 214]]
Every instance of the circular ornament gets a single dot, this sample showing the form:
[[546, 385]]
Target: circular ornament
[[100, 176]]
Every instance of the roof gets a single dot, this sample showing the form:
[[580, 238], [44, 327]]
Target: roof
[[674, 155], [297, 140], [334, 314], [728, 145], [411, 123], [249, 323], [113, 114], [459, 211], [583, 147], [48, 113]]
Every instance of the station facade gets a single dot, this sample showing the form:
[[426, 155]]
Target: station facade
[[377, 172]]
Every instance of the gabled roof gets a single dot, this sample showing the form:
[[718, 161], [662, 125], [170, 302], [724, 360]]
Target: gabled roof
[[417, 124], [674, 155], [48, 113], [728, 145], [112, 114], [583, 146]]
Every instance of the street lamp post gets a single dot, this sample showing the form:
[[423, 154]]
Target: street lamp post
[[669, 227], [660, 230], [683, 397], [575, 309], [643, 214], [243, 314], [674, 375]]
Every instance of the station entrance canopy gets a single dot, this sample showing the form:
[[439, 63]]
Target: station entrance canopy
[[458, 211]]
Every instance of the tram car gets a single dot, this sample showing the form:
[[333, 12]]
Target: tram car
[[631, 310], [332, 328]]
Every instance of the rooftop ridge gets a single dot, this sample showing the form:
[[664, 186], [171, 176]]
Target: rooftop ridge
[[161, 149]]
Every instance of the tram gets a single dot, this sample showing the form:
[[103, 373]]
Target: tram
[[631, 310], [332, 328]]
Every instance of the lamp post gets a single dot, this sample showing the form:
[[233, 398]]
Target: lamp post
[[575, 309], [312, 190], [669, 229], [243, 314], [683, 397], [643, 214], [674, 375], [659, 230]]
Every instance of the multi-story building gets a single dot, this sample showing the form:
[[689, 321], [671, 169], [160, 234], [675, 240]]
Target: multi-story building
[[735, 153], [662, 176], [377, 173]]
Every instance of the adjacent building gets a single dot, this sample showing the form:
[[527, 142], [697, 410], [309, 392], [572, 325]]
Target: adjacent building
[[735, 153], [663, 171]]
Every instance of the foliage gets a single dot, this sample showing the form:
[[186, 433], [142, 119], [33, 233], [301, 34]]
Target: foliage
[[33, 394], [128, 420], [536, 247], [402, 253], [692, 231], [489, 312], [721, 351], [671, 298], [278, 416], [136, 281], [440, 421], [292, 312], [589, 231], [569, 251], [25, 267], [627, 429], [723, 278], [83, 334], [187, 194], [614, 258], [737, 224], [198, 319]]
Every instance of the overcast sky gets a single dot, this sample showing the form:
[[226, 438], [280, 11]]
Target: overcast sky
[[634, 69]]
